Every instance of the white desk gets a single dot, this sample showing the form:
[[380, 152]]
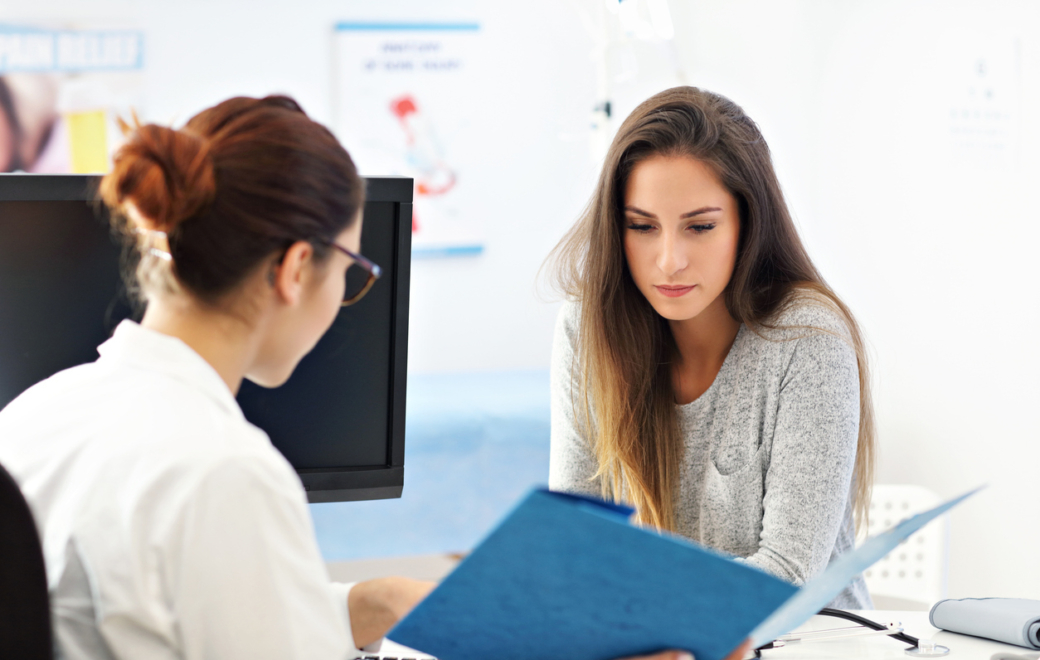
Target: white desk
[[962, 647], [914, 623]]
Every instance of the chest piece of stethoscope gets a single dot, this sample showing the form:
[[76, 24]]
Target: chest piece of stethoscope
[[926, 648]]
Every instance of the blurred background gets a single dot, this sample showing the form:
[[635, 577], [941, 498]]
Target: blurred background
[[904, 134]]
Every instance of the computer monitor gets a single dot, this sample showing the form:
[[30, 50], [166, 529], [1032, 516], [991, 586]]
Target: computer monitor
[[339, 420]]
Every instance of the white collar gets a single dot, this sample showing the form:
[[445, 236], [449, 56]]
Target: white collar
[[138, 346]]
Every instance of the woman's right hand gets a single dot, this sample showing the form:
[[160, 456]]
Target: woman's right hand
[[737, 654]]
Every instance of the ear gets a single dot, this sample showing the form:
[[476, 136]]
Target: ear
[[291, 275]]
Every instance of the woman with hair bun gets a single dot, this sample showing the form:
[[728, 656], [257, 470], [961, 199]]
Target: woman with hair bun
[[703, 371], [171, 527]]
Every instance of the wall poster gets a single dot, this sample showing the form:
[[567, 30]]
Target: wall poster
[[61, 92], [401, 95]]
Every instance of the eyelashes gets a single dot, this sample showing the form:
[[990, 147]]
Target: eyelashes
[[645, 229]]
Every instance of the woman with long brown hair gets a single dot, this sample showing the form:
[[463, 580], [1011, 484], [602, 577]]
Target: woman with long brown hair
[[703, 371]]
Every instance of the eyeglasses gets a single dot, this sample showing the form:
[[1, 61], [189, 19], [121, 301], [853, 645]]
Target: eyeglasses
[[361, 275]]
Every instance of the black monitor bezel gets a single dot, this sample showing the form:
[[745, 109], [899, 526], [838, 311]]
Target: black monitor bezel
[[321, 484]]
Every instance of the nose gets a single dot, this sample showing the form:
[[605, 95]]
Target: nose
[[671, 257]]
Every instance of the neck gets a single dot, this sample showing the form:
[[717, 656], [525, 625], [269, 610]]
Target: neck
[[222, 340], [703, 342]]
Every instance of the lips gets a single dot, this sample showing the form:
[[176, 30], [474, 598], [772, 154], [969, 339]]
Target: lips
[[674, 291]]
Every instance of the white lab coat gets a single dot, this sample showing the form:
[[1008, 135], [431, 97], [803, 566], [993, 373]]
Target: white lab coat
[[171, 527]]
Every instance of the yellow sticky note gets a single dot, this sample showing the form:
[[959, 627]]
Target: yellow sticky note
[[88, 141]]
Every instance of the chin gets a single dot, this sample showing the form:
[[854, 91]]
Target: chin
[[270, 379], [677, 311]]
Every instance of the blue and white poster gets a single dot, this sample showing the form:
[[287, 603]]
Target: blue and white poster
[[406, 98]]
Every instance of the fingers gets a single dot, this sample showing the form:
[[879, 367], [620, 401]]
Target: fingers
[[737, 654], [666, 655], [740, 651]]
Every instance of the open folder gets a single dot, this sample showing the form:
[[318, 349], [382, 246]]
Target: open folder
[[569, 578]]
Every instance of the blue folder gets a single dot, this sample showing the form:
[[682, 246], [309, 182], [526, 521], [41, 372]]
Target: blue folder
[[565, 577]]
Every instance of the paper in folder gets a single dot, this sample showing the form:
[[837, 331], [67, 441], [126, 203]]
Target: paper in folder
[[565, 577]]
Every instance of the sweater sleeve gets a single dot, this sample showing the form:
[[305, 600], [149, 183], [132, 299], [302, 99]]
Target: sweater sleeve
[[812, 458], [572, 463]]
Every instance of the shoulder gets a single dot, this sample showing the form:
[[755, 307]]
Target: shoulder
[[209, 464], [806, 313], [809, 334], [41, 395], [568, 325], [33, 423], [201, 437], [564, 362], [569, 316], [130, 417], [244, 476]]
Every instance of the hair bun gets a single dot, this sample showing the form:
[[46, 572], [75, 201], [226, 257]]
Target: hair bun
[[166, 174]]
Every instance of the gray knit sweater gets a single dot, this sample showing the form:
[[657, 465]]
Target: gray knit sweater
[[770, 446]]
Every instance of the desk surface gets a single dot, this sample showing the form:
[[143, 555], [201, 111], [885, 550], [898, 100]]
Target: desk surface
[[914, 623], [962, 647]]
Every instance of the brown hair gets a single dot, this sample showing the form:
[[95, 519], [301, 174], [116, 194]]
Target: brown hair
[[241, 181], [626, 351]]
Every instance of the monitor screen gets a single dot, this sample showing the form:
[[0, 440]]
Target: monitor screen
[[339, 420]]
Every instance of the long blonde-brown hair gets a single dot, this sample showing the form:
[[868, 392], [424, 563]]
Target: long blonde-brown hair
[[625, 353]]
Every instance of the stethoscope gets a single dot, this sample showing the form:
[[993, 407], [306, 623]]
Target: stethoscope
[[866, 628]]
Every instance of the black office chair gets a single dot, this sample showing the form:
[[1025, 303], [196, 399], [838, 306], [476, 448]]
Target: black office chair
[[25, 617]]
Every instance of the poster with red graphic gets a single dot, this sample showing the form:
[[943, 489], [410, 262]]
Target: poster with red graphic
[[398, 112]]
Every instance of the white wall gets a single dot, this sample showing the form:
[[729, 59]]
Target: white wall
[[930, 240]]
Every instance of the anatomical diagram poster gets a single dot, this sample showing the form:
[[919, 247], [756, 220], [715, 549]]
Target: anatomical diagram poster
[[401, 97]]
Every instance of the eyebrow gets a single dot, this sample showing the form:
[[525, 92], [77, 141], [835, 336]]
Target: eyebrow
[[684, 216]]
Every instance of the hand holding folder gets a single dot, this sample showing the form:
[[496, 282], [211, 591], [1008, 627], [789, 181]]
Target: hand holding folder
[[568, 578]]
